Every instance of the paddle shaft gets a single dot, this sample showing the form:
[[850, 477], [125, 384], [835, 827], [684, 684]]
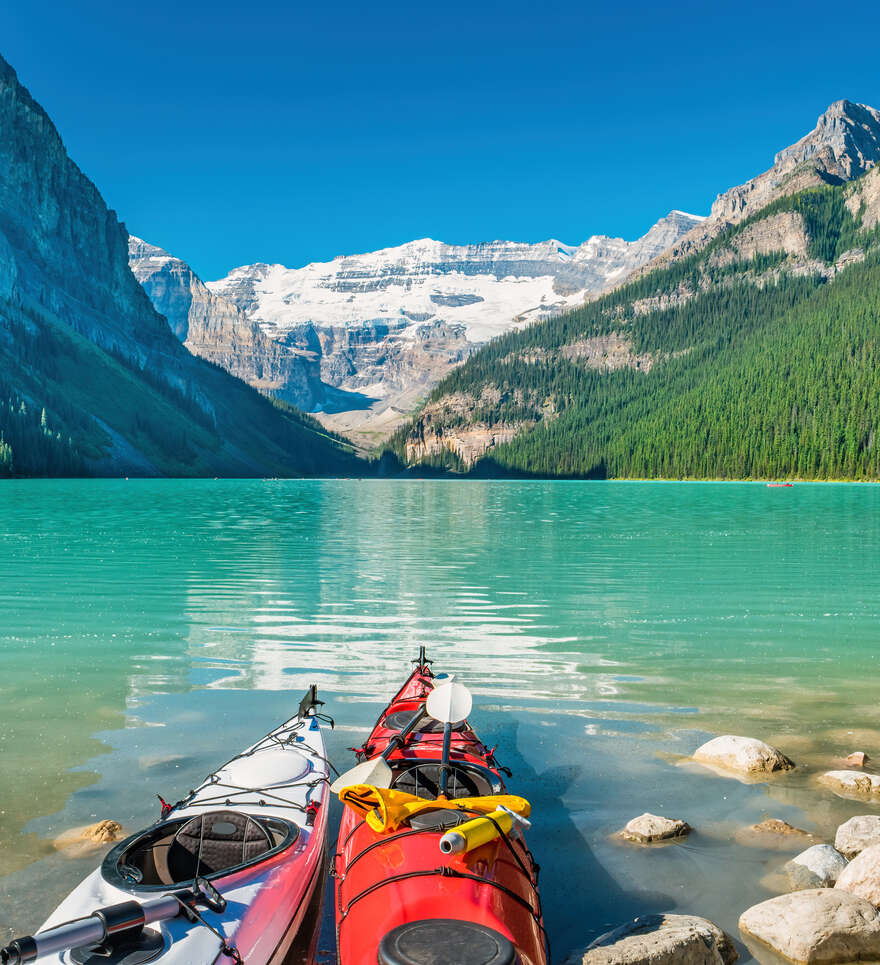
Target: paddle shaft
[[91, 930], [398, 739], [444, 761]]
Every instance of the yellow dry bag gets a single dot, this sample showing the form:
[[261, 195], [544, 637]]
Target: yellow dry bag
[[386, 809]]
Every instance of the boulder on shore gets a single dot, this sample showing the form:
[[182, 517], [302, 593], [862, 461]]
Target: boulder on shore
[[862, 875], [775, 835], [651, 827], [858, 833], [660, 940], [817, 867], [745, 755], [823, 926]]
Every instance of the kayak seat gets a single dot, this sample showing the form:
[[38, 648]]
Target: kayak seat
[[445, 941], [214, 842]]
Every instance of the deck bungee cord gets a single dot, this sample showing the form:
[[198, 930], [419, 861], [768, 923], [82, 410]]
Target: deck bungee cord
[[285, 737]]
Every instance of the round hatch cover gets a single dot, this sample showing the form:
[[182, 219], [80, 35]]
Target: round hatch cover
[[137, 949], [445, 941]]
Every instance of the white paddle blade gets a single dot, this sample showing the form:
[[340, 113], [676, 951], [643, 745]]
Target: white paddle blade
[[449, 703], [375, 772]]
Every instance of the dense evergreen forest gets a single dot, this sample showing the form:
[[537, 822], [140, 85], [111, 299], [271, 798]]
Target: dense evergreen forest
[[757, 371]]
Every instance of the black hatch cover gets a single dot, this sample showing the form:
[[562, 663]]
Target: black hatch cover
[[445, 941]]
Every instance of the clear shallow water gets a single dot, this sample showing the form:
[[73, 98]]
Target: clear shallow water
[[150, 628]]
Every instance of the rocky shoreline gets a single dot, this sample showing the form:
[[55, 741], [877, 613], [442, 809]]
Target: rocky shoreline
[[828, 908]]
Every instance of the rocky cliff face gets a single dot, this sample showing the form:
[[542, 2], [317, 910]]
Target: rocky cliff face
[[844, 144], [64, 250], [215, 329], [80, 338]]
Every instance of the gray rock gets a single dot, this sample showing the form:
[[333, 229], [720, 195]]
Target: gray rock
[[651, 827], [217, 330], [857, 834], [862, 876], [852, 782], [817, 867], [823, 926], [660, 940], [745, 755]]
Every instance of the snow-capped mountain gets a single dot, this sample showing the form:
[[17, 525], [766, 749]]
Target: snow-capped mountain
[[487, 288], [361, 338]]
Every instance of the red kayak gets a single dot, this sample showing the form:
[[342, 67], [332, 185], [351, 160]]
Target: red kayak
[[401, 900]]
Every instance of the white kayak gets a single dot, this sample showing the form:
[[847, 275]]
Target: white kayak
[[255, 830]]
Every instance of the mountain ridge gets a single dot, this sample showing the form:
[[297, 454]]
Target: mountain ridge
[[360, 339], [605, 390], [844, 144]]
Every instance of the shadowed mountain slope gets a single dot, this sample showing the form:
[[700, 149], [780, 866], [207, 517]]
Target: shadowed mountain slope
[[92, 379]]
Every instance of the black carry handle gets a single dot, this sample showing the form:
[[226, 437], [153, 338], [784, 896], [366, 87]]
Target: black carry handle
[[422, 661]]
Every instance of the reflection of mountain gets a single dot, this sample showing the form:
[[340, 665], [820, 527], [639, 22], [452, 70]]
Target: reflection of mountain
[[351, 606]]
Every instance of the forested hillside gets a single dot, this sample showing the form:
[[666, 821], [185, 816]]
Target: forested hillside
[[70, 408], [756, 357]]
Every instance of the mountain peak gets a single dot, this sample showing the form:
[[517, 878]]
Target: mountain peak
[[844, 143]]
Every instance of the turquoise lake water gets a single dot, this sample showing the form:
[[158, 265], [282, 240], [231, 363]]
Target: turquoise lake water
[[150, 628]]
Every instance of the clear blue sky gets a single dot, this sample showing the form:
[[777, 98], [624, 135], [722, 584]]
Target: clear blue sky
[[231, 133]]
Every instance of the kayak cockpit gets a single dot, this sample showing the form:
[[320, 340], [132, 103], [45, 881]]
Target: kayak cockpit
[[209, 844], [466, 779]]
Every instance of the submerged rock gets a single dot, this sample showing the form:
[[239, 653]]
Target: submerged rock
[[823, 926], [660, 940], [80, 841], [745, 755], [857, 834], [862, 875], [817, 867], [774, 834], [852, 782], [651, 827]]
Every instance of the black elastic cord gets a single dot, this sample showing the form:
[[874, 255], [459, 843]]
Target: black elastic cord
[[226, 946]]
